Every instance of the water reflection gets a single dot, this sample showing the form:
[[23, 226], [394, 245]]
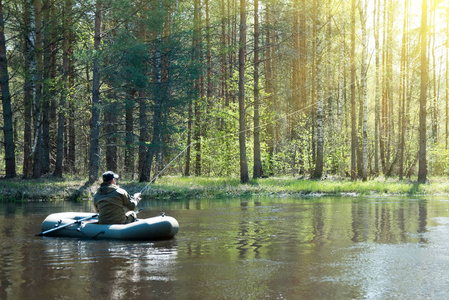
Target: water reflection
[[385, 222], [117, 264], [283, 248], [303, 246]]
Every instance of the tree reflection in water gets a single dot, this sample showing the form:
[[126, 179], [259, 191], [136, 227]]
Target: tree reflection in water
[[239, 249]]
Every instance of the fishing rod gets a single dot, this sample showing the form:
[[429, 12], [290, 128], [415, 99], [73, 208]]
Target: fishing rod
[[221, 137], [233, 134], [160, 172]]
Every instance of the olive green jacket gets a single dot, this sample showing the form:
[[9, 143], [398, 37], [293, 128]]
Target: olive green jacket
[[111, 203]]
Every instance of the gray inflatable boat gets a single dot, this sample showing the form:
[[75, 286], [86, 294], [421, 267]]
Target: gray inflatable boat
[[85, 225]]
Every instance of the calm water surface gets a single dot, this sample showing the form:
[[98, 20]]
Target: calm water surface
[[263, 248]]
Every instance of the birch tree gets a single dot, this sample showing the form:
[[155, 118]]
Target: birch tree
[[37, 81], [95, 123]]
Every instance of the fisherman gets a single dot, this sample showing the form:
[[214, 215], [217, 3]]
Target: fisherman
[[113, 203]]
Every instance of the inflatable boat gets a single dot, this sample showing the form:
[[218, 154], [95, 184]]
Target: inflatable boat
[[85, 225]]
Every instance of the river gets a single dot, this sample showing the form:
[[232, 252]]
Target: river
[[257, 248]]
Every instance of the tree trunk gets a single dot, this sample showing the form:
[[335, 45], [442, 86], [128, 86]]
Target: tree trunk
[[274, 95], [313, 85], [30, 64], [363, 14], [10, 160], [159, 97], [208, 57], [330, 82], [60, 138], [224, 68], [194, 102], [53, 114], [359, 99], [46, 90], [129, 140], [434, 71], [62, 104], [389, 90], [383, 132], [269, 88], [88, 120], [143, 131], [145, 174], [422, 172], [319, 102], [377, 93], [295, 97], [303, 77], [403, 95], [95, 123], [70, 141], [242, 59], [341, 103], [353, 104], [257, 168], [37, 78], [71, 150], [197, 60], [303, 55], [189, 140], [110, 123], [232, 45], [447, 78]]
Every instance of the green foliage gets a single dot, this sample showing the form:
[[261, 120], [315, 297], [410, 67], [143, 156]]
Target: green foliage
[[146, 39], [130, 59], [220, 148], [438, 160]]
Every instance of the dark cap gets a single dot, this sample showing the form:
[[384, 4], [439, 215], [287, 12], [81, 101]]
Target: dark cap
[[108, 176]]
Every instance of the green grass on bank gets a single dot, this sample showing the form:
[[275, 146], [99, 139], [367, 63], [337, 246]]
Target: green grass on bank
[[177, 187], [43, 189], [180, 187]]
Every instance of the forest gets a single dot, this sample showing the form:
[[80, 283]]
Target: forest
[[252, 88]]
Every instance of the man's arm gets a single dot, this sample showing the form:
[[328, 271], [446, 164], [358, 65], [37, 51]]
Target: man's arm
[[131, 202], [95, 205]]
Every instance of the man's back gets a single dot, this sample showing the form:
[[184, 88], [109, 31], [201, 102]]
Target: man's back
[[112, 202]]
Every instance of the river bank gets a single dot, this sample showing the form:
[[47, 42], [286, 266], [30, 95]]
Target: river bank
[[177, 187]]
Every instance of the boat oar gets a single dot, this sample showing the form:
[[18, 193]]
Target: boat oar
[[67, 225]]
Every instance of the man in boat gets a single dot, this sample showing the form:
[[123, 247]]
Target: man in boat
[[113, 204]]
